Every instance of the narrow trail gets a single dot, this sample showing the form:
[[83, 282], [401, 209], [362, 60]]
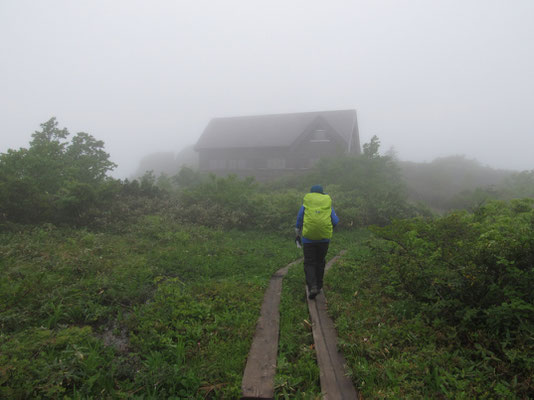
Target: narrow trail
[[335, 384], [258, 378]]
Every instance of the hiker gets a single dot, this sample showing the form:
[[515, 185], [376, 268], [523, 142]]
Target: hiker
[[315, 222]]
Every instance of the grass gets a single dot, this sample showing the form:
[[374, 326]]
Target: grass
[[391, 351], [163, 311], [169, 311], [297, 370], [297, 375]]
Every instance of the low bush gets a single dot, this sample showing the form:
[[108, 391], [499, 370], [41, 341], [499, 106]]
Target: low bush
[[441, 308], [470, 271], [159, 310]]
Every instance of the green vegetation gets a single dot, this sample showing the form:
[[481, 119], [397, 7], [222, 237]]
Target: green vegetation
[[163, 310], [151, 288], [441, 308], [297, 371], [53, 180]]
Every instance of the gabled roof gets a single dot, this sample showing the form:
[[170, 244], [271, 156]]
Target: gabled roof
[[275, 130]]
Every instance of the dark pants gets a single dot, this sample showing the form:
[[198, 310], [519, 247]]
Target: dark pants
[[314, 263]]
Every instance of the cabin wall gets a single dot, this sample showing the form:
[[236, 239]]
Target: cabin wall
[[266, 163], [309, 152]]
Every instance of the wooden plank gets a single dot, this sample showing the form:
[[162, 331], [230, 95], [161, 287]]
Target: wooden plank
[[258, 378], [335, 384]]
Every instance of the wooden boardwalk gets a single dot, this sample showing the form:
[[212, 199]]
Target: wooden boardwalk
[[258, 378], [335, 384]]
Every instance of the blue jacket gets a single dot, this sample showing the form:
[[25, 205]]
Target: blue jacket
[[300, 221]]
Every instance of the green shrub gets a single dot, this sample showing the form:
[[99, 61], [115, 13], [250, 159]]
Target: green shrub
[[230, 202], [44, 363], [162, 309], [366, 189], [54, 180], [471, 275]]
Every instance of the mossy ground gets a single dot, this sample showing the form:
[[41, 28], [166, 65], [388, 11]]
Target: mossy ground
[[168, 311], [160, 312]]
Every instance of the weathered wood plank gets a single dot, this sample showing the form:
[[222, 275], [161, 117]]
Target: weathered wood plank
[[335, 385], [258, 378]]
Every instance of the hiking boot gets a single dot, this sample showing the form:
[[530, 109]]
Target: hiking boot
[[314, 291]]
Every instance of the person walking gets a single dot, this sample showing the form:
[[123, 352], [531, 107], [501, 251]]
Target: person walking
[[315, 222]]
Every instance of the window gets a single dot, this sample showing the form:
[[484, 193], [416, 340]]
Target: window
[[260, 163], [319, 135], [217, 164], [237, 164], [276, 163]]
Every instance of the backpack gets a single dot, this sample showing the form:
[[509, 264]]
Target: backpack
[[317, 221]]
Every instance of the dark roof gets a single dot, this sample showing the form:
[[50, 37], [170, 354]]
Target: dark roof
[[275, 130]]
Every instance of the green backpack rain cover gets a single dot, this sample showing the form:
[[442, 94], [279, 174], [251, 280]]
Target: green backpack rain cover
[[317, 222]]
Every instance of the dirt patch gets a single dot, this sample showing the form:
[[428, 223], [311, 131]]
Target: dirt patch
[[116, 337]]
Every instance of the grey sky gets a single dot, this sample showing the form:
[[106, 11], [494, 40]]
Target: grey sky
[[431, 78]]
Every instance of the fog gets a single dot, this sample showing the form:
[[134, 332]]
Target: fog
[[429, 78]]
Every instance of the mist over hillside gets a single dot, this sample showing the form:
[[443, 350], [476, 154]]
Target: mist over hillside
[[167, 163], [439, 182], [443, 184]]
